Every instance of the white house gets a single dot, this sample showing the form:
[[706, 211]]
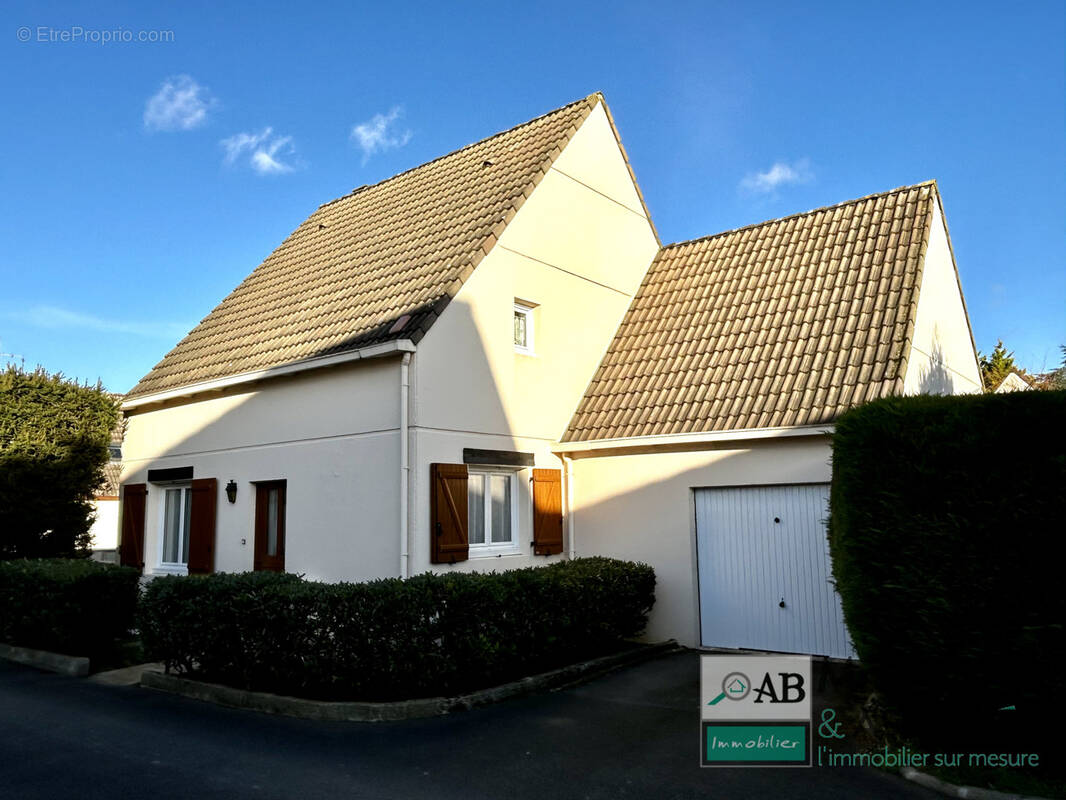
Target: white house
[[1013, 383], [104, 530], [490, 362]]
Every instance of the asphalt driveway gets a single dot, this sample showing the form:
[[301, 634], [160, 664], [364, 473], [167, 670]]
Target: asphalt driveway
[[630, 734]]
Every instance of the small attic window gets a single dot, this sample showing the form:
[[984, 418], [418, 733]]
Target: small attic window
[[488, 162], [523, 328]]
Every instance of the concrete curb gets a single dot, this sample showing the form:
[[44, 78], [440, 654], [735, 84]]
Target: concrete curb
[[403, 709], [965, 792], [75, 666]]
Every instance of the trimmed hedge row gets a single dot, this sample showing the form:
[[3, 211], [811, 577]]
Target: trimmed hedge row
[[946, 515], [73, 606], [389, 639]]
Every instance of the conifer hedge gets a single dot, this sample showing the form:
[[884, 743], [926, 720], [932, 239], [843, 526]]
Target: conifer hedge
[[946, 531], [54, 436]]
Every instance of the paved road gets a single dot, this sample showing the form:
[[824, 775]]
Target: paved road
[[631, 734]]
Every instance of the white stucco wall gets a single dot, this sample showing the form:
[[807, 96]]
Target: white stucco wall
[[105, 527], [640, 507], [577, 249], [942, 358], [333, 435]]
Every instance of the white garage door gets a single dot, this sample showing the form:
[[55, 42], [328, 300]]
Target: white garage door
[[764, 572]]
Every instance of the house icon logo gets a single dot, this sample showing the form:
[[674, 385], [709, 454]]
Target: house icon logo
[[735, 686], [740, 687]]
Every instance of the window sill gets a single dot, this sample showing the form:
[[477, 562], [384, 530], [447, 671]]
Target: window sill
[[518, 351], [494, 552], [170, 569]]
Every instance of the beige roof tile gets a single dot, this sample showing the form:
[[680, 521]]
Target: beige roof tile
[[795, 319], [346, 277]]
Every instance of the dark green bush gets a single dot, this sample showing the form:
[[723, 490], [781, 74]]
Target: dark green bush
[[387, 639], [72, 606], [54, 435], [945, 513]]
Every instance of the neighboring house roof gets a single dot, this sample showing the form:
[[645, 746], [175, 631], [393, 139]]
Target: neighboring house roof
[[1013, 383], [780, 324], [113, 468], [112, 475], [376, 265]]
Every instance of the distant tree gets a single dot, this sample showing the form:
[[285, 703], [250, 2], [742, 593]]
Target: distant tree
[[1056, 379], [54, 436], [996, 367]]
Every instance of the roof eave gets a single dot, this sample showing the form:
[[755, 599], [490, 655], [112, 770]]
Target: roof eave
[[381, 350], [679, 439]]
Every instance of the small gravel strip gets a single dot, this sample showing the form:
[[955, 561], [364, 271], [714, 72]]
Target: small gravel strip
[[403, 709]]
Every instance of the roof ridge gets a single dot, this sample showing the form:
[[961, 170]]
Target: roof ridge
[[586, 99], [930, 182]]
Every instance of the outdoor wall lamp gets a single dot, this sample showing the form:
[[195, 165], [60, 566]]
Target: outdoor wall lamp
[[231, 491]]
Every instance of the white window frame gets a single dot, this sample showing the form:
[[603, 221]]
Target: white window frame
[[527, 312], [490, 549], [168, 567]]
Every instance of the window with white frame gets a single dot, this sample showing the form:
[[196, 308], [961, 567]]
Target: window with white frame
[[174, 525], [523, 328], [492, 511]]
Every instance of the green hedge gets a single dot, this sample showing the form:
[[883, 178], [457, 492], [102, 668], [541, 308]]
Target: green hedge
[[388, 639], [945, 531], [54, 436], [73, 606]]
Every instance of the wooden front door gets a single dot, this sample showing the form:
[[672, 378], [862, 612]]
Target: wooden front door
[[270, 526]]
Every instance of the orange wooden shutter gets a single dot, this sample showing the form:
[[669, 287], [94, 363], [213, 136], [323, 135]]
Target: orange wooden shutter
[[447, 511], [131, 544], [202, 526], [547, 512]]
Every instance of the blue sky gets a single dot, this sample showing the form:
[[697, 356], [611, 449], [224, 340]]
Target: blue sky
[[141, 181]]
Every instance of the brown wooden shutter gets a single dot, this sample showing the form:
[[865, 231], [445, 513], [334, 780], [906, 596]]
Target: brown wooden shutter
[[131, 543], [202, 526], [447, 513], [547, 512]]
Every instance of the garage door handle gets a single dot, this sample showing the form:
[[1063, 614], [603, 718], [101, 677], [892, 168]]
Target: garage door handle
[[782, 603]]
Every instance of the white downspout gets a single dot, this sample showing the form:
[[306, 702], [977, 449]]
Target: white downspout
[[571, 526], [405, 467]]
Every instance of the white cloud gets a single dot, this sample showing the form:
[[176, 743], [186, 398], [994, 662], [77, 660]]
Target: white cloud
[[780, 174], [264, 151], [54, 318], [380, 133], [181, 104]]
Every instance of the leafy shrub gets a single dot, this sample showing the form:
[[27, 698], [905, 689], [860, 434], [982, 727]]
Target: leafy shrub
[[72, 606], [944, 516], [429, 635], [54, 435]]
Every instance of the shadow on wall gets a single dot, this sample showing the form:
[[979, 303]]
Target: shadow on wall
[[340, 496], [648, 515], [936, 378]]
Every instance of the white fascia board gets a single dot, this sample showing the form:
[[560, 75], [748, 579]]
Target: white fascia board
[[674, 439], [372, 351]]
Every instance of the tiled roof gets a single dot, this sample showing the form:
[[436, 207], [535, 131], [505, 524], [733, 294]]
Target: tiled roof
[[112, 475], [780, 324], [378, 264], [113, 468]]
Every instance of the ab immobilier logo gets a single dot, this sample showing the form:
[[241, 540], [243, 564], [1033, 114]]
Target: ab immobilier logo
[[755, 711]]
